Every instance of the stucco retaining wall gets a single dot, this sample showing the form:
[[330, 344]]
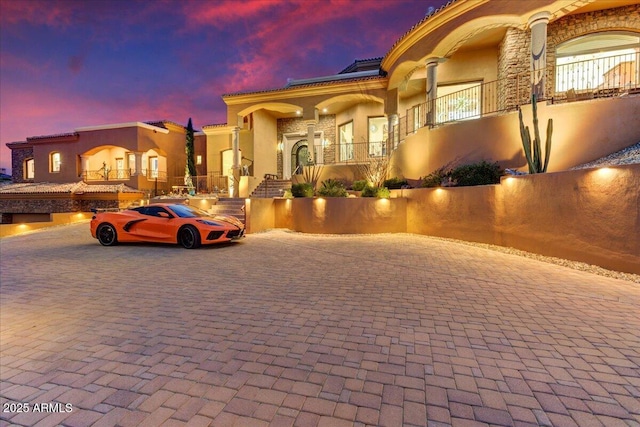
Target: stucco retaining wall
[[590, 215], [55, 219]]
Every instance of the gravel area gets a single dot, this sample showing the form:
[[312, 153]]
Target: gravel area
[[623, 157]]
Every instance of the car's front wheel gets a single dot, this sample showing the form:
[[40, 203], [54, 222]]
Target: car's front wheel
[[189, 237], [107, 235]]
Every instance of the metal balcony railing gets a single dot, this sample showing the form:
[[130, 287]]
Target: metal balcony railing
[[122, 175], [615, 75]]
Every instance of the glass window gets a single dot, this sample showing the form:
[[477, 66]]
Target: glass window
[[29, 169], [377, 136], [345, 132], [55, 162], [198, 159], [459, 102], [153, 167], [598, 61], [131, 158]]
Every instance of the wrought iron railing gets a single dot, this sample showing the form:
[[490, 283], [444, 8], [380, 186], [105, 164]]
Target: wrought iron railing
[[122, 175], [615, 75], [212, 183]]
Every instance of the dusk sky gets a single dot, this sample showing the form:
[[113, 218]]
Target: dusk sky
[[74, 63]]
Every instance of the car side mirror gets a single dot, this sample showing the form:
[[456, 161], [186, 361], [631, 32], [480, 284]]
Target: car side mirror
[[164, 215]]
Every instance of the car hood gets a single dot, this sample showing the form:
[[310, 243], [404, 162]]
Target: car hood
[[228, 219]]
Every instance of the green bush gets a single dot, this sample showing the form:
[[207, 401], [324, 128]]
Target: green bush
[[359, 185], [303, 189], [395, 183], [482, 173], [376, 192], [434, 179], [332, 188]]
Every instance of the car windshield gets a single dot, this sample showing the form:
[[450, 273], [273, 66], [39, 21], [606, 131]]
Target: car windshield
[[186, 211]]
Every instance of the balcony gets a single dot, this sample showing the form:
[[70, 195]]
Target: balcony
[[612, 76], [122, 175]]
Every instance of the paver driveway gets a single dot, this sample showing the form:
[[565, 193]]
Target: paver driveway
[[291, 329]]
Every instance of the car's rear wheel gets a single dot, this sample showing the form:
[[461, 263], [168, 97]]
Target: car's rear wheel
[[107, 235], [189, 237]]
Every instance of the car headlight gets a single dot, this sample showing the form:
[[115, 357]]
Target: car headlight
[[207, 222]]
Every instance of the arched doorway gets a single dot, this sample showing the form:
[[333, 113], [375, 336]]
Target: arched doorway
[[299, 156]]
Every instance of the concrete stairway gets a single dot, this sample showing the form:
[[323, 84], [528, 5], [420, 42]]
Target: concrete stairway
[[229, 206], [269, 188]]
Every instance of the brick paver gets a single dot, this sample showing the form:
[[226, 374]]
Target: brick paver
[[300, 330]]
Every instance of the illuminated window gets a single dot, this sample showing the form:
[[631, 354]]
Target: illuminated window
[[346, 141], [598, 61], [153, 167], [198, 159], [131, 160], [29, 169], [55, 162], [377, 136], [459, 102]]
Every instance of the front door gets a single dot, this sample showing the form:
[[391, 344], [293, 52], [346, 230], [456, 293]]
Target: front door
[[299, 156]]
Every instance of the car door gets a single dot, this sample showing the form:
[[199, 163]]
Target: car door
[[158, 225]]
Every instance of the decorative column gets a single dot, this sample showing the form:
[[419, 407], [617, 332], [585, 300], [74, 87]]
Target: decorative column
[[432, 89], [311, 139], [235, 145], [138, 165], [84, 166], [538, 25]]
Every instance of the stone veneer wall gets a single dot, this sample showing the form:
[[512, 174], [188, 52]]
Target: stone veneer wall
[[18, 157], [514, 50], [326, 124]]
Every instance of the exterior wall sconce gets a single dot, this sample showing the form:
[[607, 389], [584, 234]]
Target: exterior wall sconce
[[280, 146]]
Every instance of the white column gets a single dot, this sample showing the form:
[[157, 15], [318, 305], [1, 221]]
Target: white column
[[138, 155], [432, 89], [538, 24], [235, 145], [84, 165], [311, 138]]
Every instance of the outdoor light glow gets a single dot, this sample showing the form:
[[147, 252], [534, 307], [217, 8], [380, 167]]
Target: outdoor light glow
[[298, 112]]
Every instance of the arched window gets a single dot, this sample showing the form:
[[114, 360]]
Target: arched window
[[55, 162], [599, 61], [29, 168]]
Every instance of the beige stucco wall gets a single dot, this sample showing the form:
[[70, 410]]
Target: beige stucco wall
[[341, 215], [265, 144], [589, 215], [7, 230], [582, 132]]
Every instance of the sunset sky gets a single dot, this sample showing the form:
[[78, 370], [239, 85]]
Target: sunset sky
[[73, 63]]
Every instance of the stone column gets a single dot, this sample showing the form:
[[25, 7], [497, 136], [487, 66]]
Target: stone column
[[432, 90], [235, 144], [538, 25]]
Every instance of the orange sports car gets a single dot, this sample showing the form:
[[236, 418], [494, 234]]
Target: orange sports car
[[165, 223]]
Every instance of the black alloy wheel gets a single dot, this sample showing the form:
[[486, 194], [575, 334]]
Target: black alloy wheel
[[189, 237], [107, 235]]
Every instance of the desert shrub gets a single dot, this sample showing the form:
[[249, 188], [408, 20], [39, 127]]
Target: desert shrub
[[395, 183], [434, 179], [332, 188], [303, 189], [287, 194], [359, 185], [376, 192], [482, 173]]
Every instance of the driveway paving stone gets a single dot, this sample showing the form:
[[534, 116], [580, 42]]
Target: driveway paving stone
[[288, 329]]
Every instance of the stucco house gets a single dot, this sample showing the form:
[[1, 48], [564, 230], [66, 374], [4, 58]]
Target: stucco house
[[144, 156], [448, 91], [99, 166]]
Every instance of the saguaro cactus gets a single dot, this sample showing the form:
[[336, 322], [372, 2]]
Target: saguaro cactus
[[532, 149]]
